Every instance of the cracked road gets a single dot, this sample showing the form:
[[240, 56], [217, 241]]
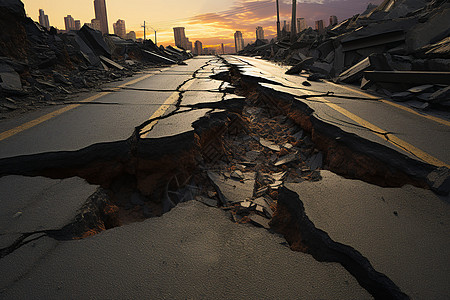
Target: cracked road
[[112, 195]]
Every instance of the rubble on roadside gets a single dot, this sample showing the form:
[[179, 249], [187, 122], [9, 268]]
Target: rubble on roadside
[[39, 67], [409, 37]]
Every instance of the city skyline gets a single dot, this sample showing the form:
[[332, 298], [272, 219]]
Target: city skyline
[[212, 23]]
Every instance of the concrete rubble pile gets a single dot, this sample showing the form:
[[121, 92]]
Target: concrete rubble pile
[[400, 48], [40, 66]]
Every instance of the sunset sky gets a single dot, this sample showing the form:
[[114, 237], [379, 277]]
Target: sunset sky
[[211, 22]]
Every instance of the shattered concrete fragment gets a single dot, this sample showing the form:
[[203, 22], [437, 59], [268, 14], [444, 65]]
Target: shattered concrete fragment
[[421, 89], [286, 159], [111, 63], [441, 95], [252, 155], [439, 180], [315, 162], [207, 201], [300, 66], [269, 144], [260, 221], [9, 79], [232, 191]]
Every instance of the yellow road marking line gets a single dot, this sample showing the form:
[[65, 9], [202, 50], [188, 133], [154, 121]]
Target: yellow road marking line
[[392, 139], [432, 118], [9, 133], [163, 108]]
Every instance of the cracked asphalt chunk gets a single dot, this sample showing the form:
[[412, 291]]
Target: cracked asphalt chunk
[[30, 204], [415, 242], [162, 257]]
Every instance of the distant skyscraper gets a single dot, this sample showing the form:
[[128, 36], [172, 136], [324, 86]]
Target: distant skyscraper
[[131, 36], [119, 28], [180, 37], [319, 25], [43, 19], [238, 41], [188, 45], [333, 20], [101, 15], [77, 24], [198, 48], [69, 22], [259, 33], [287, 26], [301, 24]]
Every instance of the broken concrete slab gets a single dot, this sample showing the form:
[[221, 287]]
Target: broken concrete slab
[[260, 221], [207, 201], [232, 191], [315, 162], [412, 77], [32, 204], [111, 63], [269, 144], [300, 66], [191, 252], [441, 95], [288, 158], [9, 79], [439, 180], [159, 58], [355, 73], [403, 232], [94, 39]]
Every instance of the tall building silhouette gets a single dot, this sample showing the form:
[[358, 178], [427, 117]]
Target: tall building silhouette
[[180, 37], [43, 19], [259, 33], [301, 24], [119, 28], [198, 48], [319, 26], [333, 20], [238, 41], [70, 23], [101, 15]]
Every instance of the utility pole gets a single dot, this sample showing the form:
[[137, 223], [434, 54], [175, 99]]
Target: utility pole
[[278, 23], [144, 30], [156, 41], [294, 21]]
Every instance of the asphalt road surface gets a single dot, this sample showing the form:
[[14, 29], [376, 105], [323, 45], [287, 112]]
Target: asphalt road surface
[[195, 251]]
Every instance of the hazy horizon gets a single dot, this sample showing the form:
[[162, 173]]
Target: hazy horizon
[[210, 22]]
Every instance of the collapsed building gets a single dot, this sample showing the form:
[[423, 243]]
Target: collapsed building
[[39, 66], [400, 48]]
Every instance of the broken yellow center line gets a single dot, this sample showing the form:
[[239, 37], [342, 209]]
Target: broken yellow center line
[[383, 134], [9, 133], [173, 98], [410, 110]]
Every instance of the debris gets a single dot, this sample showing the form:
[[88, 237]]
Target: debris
[[9, 79], [300, 66], [111, 63], [231, 191], [207, 201], [439, 180], [287, 159], [411, 77], [441, 95], [252, 155], [269, 145], [260, 221], [315, 162]]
